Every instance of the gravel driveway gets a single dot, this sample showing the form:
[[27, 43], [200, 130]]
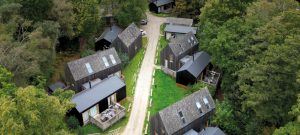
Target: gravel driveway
[[142, 90]]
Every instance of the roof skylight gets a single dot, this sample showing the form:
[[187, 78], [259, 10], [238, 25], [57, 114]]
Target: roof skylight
[[112, 58], [105, 61], [89, 68]]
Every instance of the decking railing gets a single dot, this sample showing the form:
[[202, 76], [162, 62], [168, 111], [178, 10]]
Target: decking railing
[[120, 113]]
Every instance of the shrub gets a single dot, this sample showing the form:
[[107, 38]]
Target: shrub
[[72, 122]]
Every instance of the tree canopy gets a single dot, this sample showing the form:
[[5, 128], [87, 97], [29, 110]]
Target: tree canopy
[[30, 110], [255, 44]]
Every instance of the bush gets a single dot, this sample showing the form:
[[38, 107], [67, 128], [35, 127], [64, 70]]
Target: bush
[[124, 59], [86, 53], [72, 122]]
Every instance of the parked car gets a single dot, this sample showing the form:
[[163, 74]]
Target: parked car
[[144, 21], [143, 32]]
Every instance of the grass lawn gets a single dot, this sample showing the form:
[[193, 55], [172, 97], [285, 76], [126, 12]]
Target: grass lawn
[[162, 43], [165, 93], [162, 14], [129, 71]]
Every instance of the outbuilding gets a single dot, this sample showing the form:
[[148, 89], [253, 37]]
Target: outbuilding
[[97, 66], [190, 113], [129, 41], [172, 31], [54, 86], [194, 69], [172, 55], [91, 102], [161, 6], [107, 37], [179, 21]]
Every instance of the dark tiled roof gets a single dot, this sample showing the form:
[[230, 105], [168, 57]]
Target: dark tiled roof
[[179, 21], [211, 131], [180, 29], [90, 97], [162, 2], [130, 34], [196, 66], [57, 85], [79, 69], [184, 43], [110, 34], [170, 115]]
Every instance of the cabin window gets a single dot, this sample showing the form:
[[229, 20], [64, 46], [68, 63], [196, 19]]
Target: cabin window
[[206, 102], [181, 117], [112, 58], [89, 68], [105, 61], [85, 117], [171, 57], [198, 105]]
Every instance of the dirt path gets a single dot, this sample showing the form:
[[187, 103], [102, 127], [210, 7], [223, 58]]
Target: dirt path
[[142, 90]]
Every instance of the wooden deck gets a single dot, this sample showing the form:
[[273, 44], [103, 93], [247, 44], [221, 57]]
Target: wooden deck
[[109, 117]]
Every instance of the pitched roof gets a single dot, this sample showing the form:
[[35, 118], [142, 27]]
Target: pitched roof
[[130, 34], [188, 107], [183, 43], [196, 66], [87, 98], [110, 34], [95, 63], [211, 131], [180, 29], [179, 21], [191, 132], [162, 2], [56, 85]]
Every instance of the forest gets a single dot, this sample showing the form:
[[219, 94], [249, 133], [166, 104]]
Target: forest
[[255, 44]]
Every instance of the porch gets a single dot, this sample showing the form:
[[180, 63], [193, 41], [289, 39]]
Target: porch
[[108, 117], [212, 78]]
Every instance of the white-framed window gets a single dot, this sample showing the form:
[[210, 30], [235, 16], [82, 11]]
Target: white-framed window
[[206, 102], [112, 58], [85, 117], [105, 61], [89, 68], [199, 107]]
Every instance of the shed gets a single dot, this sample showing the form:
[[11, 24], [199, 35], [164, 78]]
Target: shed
[[159, 6], [107, 37], [194, 69], [179, 21], [55, 86], [96, 99], [178, 30], [179, 48], [99, 65], [192, 112], [211, 131], [129, 41]]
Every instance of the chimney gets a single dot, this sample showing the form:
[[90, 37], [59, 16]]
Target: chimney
[[90, 84], [193, 57]]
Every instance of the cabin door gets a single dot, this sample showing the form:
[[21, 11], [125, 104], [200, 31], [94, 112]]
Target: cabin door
[[166, 63], [112, 99], [93, 111]]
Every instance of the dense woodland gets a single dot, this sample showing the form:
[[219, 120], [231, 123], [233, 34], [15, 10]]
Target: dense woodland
[[255, 44]]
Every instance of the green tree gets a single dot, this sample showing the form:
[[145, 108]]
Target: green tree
[[131, 11], [62, 12], [36, 10], [30, 110], [225, 119], [293, 127]]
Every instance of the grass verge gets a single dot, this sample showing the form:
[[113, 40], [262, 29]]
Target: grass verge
[[162, 43]]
